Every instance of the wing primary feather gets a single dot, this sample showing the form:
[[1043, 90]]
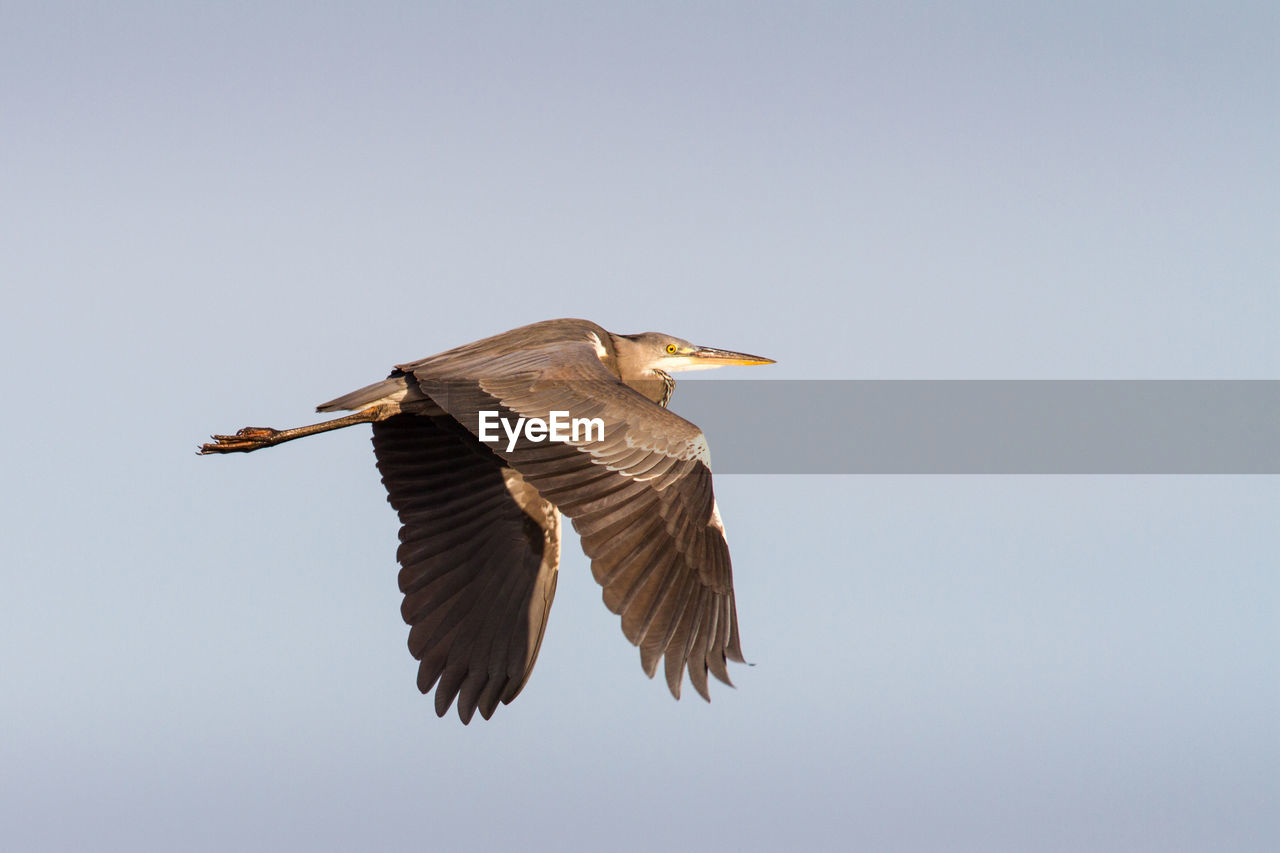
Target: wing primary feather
[[516, 684], [630, 572], [480, 665], [647, 588], [655, 644], [647, 617], [678, 651], [697, 656], [466, 613]]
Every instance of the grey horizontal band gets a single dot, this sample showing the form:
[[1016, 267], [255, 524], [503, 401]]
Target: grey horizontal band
[[986, 426]]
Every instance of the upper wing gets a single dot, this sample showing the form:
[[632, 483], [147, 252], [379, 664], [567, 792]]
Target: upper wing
[[640, 497], [479, 551]]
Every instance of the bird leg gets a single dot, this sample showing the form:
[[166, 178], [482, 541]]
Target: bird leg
[[250, 439]]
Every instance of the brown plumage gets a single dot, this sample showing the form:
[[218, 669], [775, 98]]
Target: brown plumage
[[480, 535]]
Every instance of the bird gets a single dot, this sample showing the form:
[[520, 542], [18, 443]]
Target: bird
[[480, 534]]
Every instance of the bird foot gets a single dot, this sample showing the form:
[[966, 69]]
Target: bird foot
[[244, 441]]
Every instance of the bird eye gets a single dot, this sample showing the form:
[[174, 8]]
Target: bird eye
[[671, 349]]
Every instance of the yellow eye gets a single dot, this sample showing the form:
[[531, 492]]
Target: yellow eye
[[671, 349]]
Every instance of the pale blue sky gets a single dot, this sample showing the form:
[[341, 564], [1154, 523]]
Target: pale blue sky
[[219, 215]]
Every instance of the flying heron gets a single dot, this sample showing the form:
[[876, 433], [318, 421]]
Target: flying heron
[[480, 534]]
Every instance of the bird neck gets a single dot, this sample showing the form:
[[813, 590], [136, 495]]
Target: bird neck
[[668, 388], [657, 385]]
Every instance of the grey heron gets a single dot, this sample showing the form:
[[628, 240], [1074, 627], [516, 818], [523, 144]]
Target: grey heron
[[480, 520]]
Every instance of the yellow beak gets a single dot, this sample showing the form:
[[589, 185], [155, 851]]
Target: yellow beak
[[717, 357]]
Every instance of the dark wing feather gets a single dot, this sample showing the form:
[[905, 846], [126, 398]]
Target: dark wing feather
[[640, 497], [478, 554]]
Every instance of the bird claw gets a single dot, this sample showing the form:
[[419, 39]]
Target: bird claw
[[255, 432], [244, 441]]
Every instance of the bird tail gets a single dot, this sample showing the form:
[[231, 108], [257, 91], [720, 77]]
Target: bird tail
[[393, 388]]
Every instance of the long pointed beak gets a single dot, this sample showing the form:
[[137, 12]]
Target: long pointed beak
[[719, 357]]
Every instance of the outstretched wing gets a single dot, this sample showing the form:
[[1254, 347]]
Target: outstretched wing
[[640, 496], [478, 554]]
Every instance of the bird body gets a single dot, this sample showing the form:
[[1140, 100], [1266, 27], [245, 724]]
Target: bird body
[[480, 535]]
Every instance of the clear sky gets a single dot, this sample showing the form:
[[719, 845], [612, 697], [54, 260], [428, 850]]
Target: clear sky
[[216, 215]]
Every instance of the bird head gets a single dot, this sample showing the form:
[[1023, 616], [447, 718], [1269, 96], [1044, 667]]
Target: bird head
[[654, 351]]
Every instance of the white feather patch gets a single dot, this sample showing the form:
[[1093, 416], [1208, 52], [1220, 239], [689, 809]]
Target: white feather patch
[[601, 352], [716, 521]]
